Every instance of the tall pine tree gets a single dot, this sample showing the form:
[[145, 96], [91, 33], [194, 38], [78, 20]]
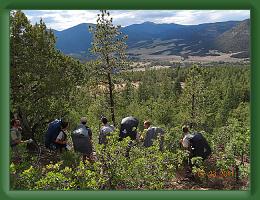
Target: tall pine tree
[[193, 99], [109, 47]]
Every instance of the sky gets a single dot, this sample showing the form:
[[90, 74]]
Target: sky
[[63, 19]]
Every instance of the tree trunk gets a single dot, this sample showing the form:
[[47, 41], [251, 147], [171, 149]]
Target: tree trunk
[[237, 173], [27, 131], [112, 110], [192, 110]]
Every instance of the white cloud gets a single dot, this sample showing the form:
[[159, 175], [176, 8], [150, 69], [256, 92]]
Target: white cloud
[[63, 19], [191, 17]]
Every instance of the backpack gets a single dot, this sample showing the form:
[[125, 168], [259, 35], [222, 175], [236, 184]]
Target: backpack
[[81, 140], [104, 132], [152, 134], [53, 131], [128, 128], [199, 146]]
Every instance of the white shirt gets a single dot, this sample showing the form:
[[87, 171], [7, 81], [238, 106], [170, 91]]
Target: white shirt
[[16, 134], [61, 136]]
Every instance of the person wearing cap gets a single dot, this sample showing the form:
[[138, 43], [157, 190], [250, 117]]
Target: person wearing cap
[[105, 130], [151, 134]]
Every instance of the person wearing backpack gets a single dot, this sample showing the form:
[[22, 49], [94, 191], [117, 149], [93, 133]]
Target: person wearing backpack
[[54, 128], [82, 140], [128, 128], [185, 141], [61, 140], [196, 144], [151, 134], [105, 130]]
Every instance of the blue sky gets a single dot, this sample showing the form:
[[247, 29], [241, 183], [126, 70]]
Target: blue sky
[[63, 19]]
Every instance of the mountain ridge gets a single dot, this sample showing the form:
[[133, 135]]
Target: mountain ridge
[[150, 38]]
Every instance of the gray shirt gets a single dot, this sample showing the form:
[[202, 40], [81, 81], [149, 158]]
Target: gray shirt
[[15, 135], [104, 131], [152, 133]]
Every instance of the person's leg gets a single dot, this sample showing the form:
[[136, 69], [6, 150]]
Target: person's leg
[[128, 148], [90, 157], [87, 157], [188, 167], [63, 147], [84, 157], [16, 158]]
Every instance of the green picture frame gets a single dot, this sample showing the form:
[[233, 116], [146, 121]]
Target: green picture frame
[[7, 5]]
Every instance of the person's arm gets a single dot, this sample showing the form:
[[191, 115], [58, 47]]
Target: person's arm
[[180, 143], [112, 127], [17, 141], [59, 139], [99, 137], [138, 137], [90, 133]]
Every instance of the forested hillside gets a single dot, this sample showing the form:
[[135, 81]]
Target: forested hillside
[[46, 84], [236, 39]]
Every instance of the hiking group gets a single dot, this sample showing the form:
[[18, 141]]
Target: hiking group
[[56, 137]]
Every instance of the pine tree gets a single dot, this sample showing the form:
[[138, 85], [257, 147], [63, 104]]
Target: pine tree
[[193, 98], [109, 47]]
